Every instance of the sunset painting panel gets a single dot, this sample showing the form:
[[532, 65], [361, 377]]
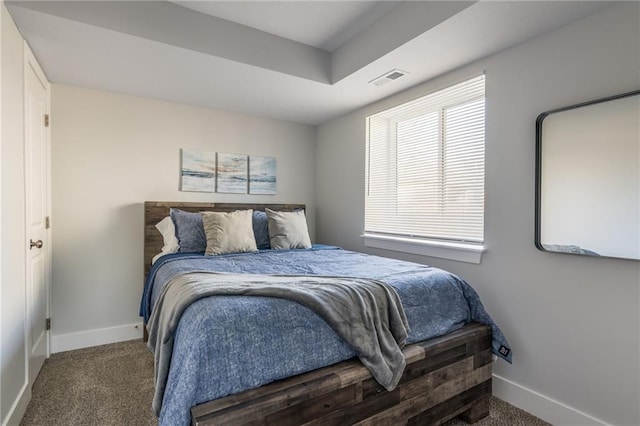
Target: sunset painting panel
[[198, 172], [262, 175], [232, 174]]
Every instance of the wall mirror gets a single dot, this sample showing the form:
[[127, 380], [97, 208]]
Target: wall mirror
[[588, 178]]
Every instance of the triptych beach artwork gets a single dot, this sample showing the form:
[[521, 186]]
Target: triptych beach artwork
[[203, 171]]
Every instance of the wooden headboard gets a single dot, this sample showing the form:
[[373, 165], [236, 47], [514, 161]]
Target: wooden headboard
[[155, 211]]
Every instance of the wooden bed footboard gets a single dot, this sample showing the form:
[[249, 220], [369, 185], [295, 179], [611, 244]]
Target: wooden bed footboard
[[445, 377]]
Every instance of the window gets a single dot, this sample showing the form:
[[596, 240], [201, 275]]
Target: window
[[425, 173]]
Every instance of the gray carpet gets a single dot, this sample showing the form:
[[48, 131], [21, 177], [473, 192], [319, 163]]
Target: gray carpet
[[103, 385], [113, 385]]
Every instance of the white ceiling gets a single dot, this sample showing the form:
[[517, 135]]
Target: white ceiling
[[322, 24], [300, 61]]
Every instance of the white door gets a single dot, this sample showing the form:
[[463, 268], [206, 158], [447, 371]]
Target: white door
[[37, 212]]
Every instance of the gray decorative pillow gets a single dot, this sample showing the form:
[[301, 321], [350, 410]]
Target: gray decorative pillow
[[261, 230], [189, 231], [288, 230], [229, 232]]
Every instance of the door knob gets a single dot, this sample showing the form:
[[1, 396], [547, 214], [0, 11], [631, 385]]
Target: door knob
[[36, 244]]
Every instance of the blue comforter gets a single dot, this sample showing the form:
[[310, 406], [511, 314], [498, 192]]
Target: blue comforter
[[224, 345]]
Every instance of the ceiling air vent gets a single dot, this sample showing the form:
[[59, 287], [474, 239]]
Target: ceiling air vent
[[388, 77]]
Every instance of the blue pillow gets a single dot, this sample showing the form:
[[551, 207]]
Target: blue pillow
[[261, 230], [189, 231]]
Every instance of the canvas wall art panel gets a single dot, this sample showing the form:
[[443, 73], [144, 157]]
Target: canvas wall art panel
[[262, 175], [198, 171], [232, 173]]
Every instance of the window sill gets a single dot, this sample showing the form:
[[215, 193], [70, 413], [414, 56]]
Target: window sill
[[470, 253]]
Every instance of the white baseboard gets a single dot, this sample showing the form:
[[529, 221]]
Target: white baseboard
[[548, 409], [100, 336], [19, 407]]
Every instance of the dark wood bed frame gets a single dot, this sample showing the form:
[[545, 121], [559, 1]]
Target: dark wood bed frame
[[445, 377]]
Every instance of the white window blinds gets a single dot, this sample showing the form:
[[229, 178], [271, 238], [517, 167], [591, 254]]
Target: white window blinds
[[425, 166]]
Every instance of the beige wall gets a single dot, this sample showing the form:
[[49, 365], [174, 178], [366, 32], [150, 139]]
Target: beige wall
[[111, 153], [14, 375], [573, 322]]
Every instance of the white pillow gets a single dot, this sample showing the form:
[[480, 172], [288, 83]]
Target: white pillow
[[230, 232], [168, 231], [288, 230]]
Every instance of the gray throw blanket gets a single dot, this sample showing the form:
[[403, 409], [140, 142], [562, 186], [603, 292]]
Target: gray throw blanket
[[366, 313]]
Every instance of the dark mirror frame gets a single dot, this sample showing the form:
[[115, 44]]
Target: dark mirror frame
[[538, 171]]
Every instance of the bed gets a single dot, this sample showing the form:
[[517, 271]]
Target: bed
[[229, 365]]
